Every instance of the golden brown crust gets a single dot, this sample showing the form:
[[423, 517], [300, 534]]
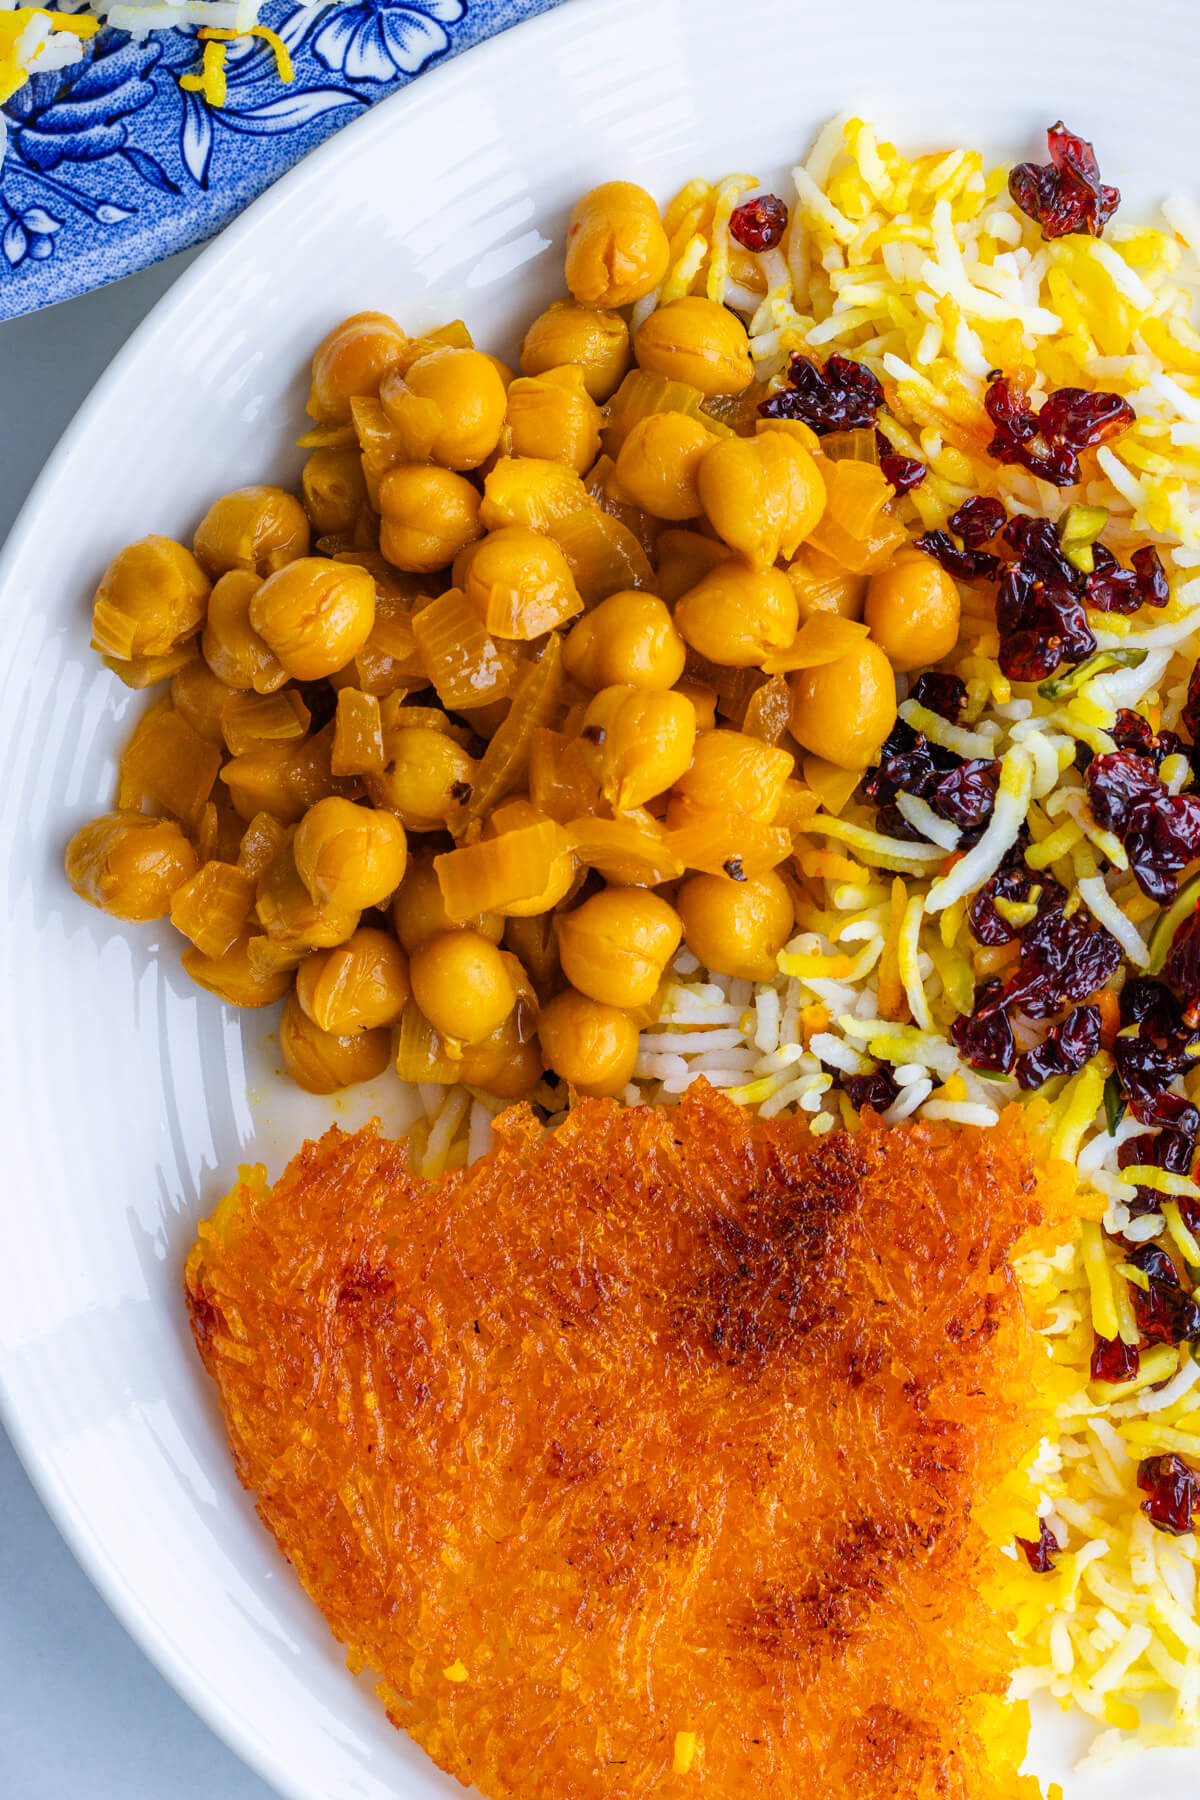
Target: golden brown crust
[[669, 1422]]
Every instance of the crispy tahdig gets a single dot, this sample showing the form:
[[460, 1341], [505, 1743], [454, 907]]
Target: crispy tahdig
[[645, 1457]]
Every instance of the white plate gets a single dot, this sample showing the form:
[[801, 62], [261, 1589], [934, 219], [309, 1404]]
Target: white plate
[[128, 1096]]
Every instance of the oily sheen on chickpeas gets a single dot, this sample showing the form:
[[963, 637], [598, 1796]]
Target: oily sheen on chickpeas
[[540, 674]]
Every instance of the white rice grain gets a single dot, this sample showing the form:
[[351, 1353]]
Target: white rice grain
[[959, 1112]]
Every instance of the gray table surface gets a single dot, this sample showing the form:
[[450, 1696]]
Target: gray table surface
[[82, 1713]]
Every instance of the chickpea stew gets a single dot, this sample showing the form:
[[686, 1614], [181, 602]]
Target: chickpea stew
[[539, 675]]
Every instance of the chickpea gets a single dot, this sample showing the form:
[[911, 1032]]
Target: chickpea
[[357, 986], [200, 697], [596, 342], [645, 740], [419, 913], [426, 776], [793, 428], [616, 946], [351, 362], [529, 491], [235, 978], [507, 375], [737, 614], [591, 1045], [844, 710], [629, 640], [256, 528], [763, 494], [315, 615], [658, 465], [553, 417], [290, 916], [617, 250], [349, 856], [232, 648], [322, 1062], [151, 597], [335, 491], [427, 516], [912, 610], [696, 341], [736, 928], [462, 984], [520, 583], [129, 864], [448, 406], [684, 558]]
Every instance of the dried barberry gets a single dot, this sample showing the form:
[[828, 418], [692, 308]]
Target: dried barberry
[[877, 1090], [1114, 782], [1109, 587], [1147, 1068], [759, 224], [1063, 960], [966, 795], [841, 396], [1131, 731], [1040, 623], [963, 564], [903, 472], [1039, 551], [985, 1036], [1066, 194], [1007, 406], [1164, 1313], [1161, 836], [1175, 1146], [1048, 443], [1174, 1490], [1015, 437], [1113, 588], [977, 520], [1114, 1360], [1182, 967], [1150, 1004], [961, 792], [1172, 1147], [1190, 716], [1040, 1556], [892, 823], [945, 695], [908, 764], [1031, 655], [1083, 418], [1065, 1048], [1151, 576], [1145, 1203], [1012, 881]]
